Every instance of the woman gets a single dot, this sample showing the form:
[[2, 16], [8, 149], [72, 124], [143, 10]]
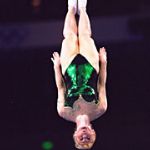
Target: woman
[[80, 74]]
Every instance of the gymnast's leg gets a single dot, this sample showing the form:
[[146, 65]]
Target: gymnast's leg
[[70, 43], [86, 43]]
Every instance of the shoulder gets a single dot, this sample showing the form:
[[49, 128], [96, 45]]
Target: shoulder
[[101, 108], [67, 113]]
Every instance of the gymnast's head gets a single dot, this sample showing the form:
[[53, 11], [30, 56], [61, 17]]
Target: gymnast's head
[[84, 137]]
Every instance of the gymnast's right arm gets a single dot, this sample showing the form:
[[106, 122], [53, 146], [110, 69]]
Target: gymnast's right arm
[[59, 83]]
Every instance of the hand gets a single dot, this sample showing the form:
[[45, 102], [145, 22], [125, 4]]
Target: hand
[[103, 55], [56, 59]]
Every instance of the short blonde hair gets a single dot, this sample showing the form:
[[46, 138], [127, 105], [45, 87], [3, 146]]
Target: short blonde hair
[[88, 145]]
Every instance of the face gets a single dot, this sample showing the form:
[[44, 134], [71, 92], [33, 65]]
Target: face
[[84, 135]]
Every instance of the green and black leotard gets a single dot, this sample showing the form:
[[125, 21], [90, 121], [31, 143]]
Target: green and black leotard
[[80, 79]]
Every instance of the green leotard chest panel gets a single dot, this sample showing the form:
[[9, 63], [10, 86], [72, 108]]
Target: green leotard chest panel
[[80, 79]]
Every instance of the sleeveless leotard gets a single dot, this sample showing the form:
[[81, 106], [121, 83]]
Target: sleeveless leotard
[[80, 79]]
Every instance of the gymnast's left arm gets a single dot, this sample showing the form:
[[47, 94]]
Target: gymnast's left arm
[[102, 81]]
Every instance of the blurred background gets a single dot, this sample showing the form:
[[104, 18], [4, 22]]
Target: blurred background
[[30, 31]]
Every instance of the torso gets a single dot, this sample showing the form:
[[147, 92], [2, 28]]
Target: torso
[[81, 95]]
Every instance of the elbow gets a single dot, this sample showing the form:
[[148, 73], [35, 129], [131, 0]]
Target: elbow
[[60, 111], [104, 107], [103, 101]]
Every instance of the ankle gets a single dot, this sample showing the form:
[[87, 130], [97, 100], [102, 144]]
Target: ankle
[[72, 9], [81, 10]]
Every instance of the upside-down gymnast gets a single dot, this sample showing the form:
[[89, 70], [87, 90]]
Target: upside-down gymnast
[[80, 75]]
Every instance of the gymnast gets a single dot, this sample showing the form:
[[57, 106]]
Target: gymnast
[[80, 75]]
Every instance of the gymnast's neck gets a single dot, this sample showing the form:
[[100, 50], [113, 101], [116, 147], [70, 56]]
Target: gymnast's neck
[[83, 121]]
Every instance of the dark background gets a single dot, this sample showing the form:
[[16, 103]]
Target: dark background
[[28, 92]]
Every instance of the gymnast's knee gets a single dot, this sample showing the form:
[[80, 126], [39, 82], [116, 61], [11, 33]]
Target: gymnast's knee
[[70, 35], [86, 39]]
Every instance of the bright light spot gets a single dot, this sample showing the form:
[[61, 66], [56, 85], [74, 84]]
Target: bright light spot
[[47, 145]]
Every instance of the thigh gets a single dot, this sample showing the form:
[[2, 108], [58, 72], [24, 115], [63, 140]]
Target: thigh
[[88, 49], [69, 50]]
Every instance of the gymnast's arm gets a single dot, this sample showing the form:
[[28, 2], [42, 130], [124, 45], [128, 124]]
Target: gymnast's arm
[[59, 83], [63, 112], [102, 81]]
